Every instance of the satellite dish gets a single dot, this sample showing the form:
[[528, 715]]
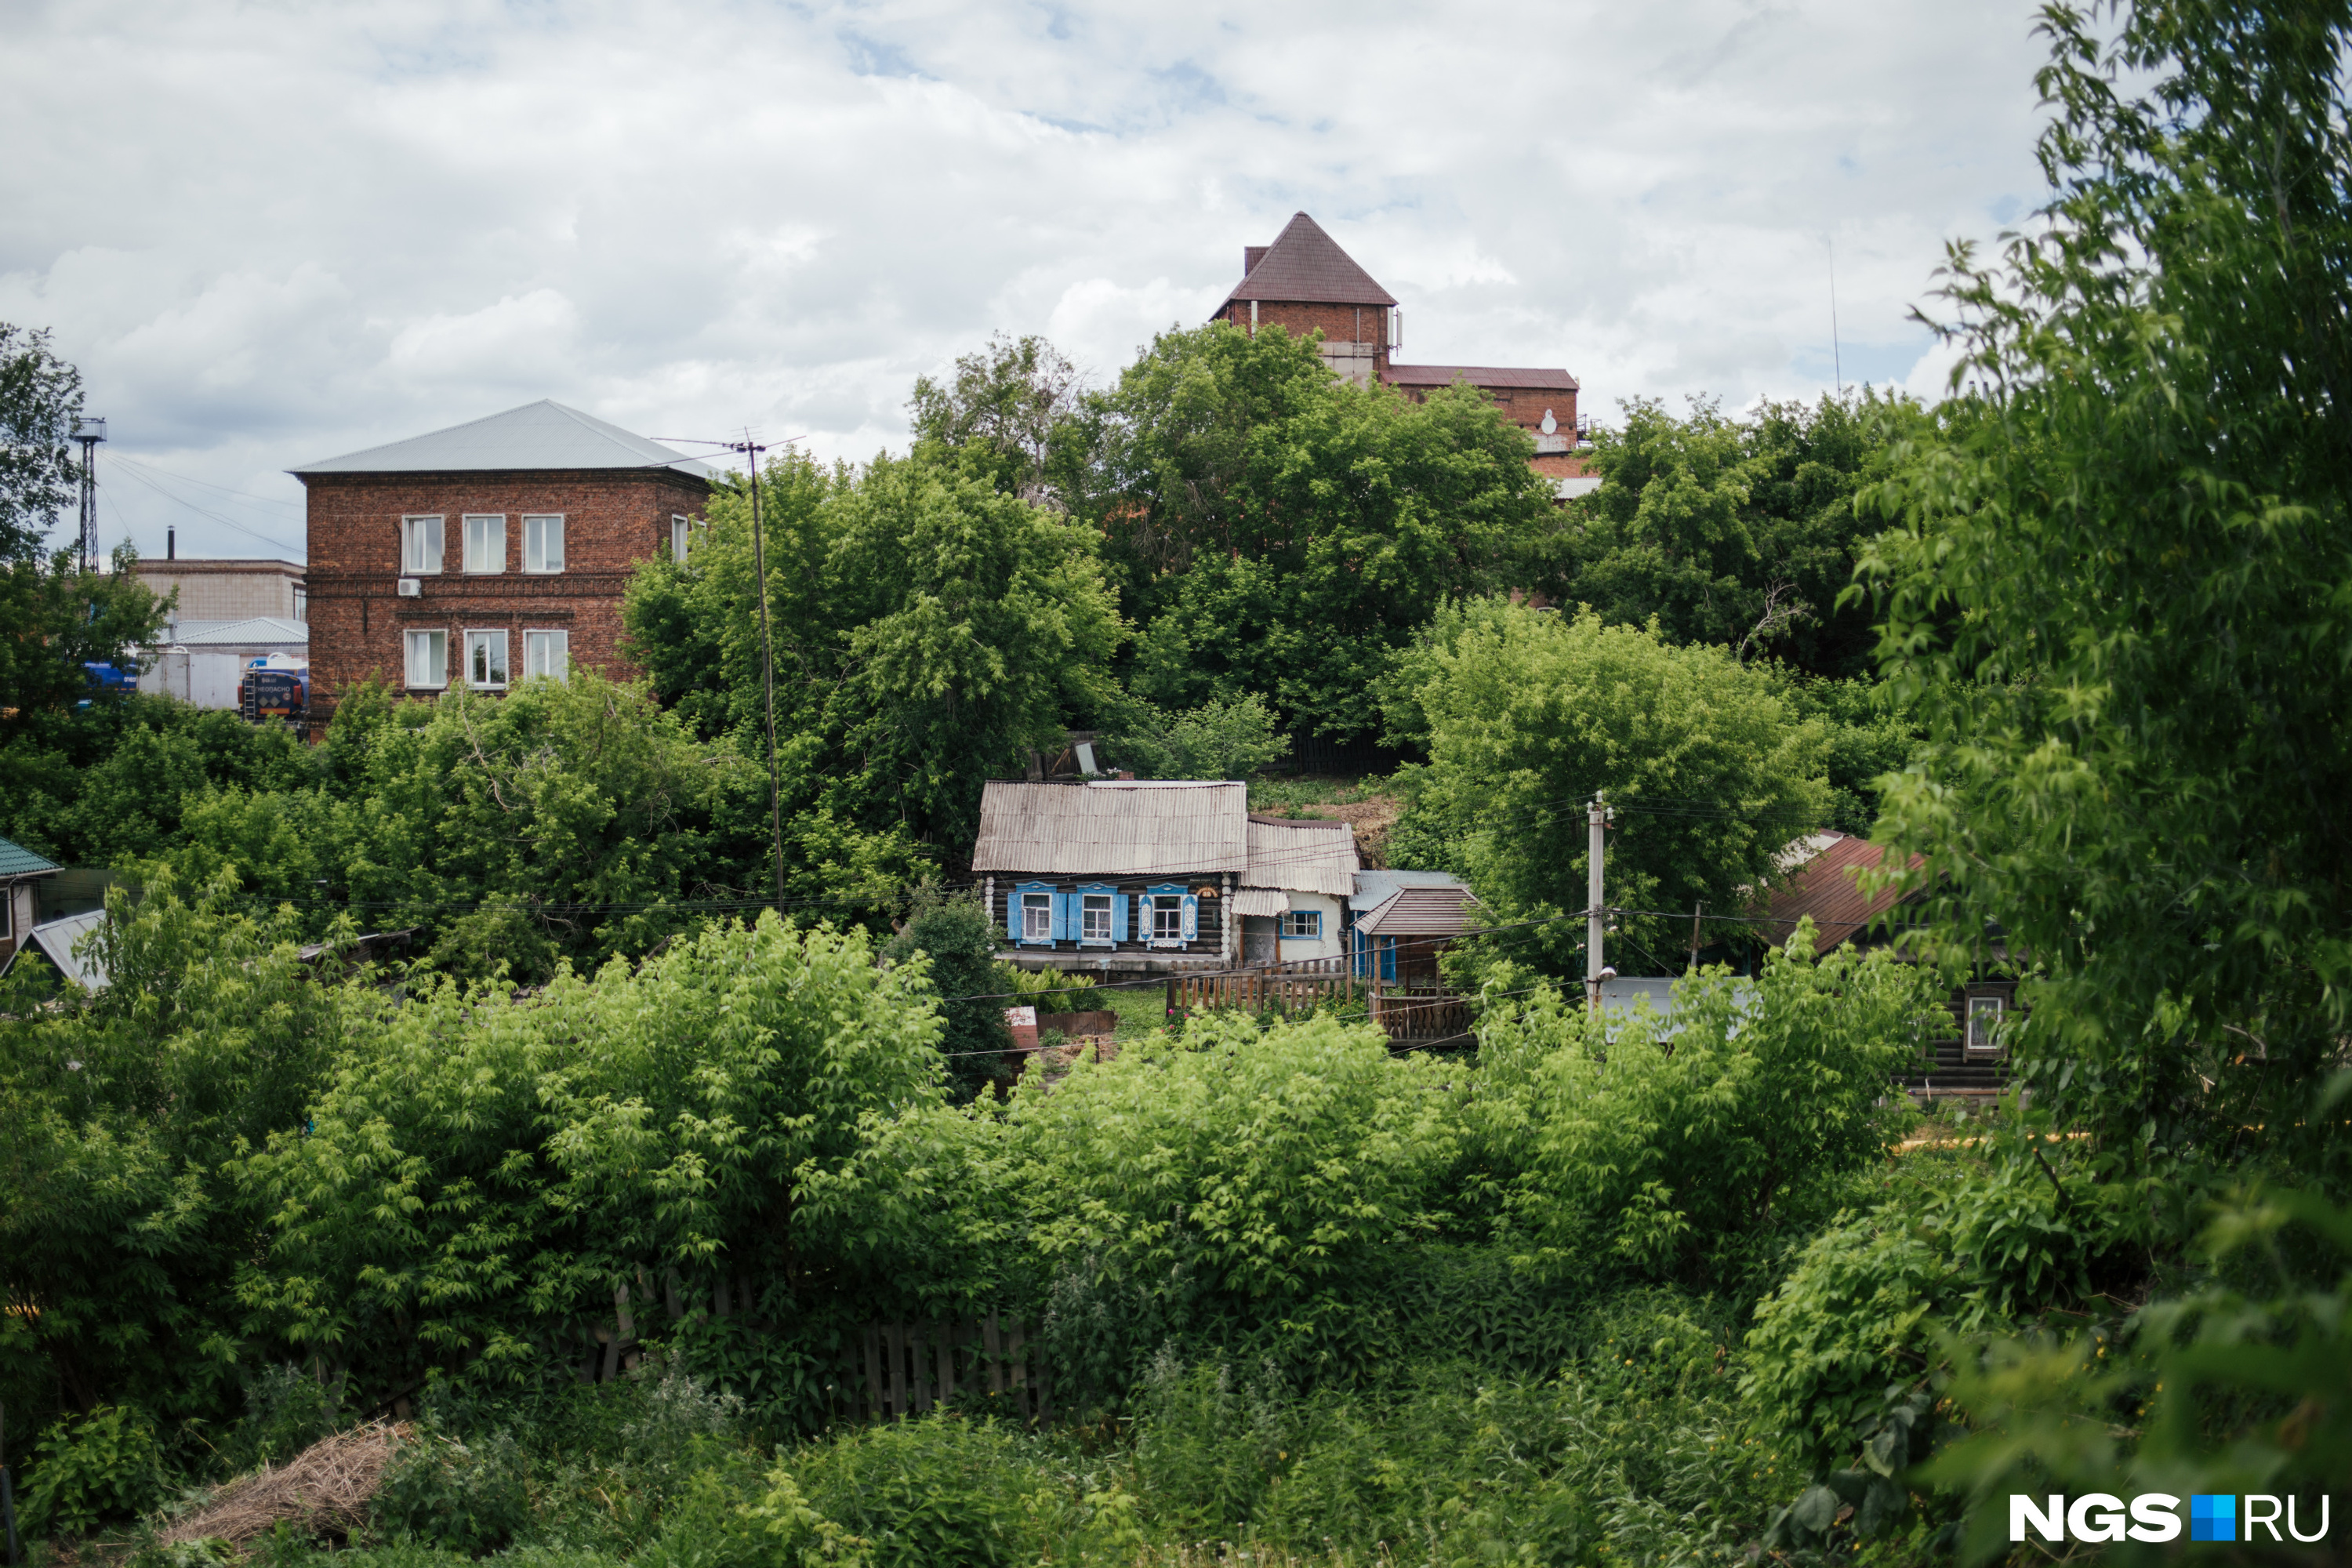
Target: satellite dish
[[1551, 426]]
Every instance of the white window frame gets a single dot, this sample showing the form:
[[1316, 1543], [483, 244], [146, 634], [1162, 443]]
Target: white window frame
[[1994, 1009], [479, 637], [421, 538], [411, 643], [535, 540], [680, 526], [1171, 907], [562, 665], [1313, 917], [1036, 916], [491, 558], [1091, 905]]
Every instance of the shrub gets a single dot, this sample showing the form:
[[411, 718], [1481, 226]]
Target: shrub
[[104, 1466], [470, 1497], [935, 1492]]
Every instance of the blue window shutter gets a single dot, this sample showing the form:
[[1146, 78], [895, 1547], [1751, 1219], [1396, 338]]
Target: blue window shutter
[[1013, 912], [1191, 918], [1118, 902], [1066, 916]]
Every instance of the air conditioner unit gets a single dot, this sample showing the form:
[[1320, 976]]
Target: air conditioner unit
[[410, 587]]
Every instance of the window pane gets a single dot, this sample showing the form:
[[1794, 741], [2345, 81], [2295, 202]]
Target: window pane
[[1037, 917], [677, 540], [546, 653], [485, 543], [542, 544], [420, 546], [486, 658], [428, 659], [1097, 917]]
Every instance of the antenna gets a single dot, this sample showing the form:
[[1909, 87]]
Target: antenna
[[90, 433], [1837, 357]]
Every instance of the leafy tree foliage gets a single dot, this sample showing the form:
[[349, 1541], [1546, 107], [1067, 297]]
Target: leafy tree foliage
[[1276, 531], [40, 398], [928, 632], [1737, 531], [55, 617], [1001, 416], [1528, 714], [960, 941], [2115, 592], [1218, 740]]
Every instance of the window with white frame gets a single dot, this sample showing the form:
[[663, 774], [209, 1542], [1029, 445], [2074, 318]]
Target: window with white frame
[[542, 543], [1094, 918], [1984, 1025], [1036, 917], [1168, 917], [678, 531], [428, 659], [547, 654], [301, 603], [486, 543], [420, 546], [486, 658], [1303, 923]]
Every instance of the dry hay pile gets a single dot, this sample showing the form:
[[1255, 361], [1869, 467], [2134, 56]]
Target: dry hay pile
[[324, 1489]]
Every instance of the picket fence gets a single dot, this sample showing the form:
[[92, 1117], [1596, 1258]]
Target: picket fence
[[1413, 1013]]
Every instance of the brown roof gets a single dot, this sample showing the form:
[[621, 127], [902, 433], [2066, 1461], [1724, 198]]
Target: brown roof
[[1420, 911], [1307, 265], [1486, 375], [1826, 887]]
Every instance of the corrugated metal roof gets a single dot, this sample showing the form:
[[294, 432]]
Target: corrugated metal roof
[[1260, 901], [1307, 265], [15, 861], [1303, 856], [1374, 887], [259, 629], [1826, 889], [1112, 829], [57, 940], [536, 437], [1420, 911], [1486, 375]]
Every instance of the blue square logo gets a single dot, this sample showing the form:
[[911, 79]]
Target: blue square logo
[[2213, 1516]]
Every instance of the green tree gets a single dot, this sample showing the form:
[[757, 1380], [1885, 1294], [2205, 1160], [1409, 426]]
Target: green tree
[[1218, 740], [2118, 589], [1737, 531], [40, 399], [1528, 714], [1274, 529], [1001, 417], [960, 941], [55, 619]]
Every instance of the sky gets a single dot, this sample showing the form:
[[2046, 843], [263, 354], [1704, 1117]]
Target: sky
[[278, 231]]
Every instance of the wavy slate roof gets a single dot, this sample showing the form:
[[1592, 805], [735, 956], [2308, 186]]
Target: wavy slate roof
[[538, 436], [1420, 911], [1299, 857], [1112, 829], [1487, 375], [1307, 265]]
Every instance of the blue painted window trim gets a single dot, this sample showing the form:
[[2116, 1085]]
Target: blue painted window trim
[[1017, 927], [1078, 914], [1314, 935], [1187, 921]]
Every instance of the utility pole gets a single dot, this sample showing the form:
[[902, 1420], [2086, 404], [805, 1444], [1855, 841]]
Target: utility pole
[[1596, 915], [767, 671], [90, 433]]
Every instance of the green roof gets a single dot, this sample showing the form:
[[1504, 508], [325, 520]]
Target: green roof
[[15, 861]]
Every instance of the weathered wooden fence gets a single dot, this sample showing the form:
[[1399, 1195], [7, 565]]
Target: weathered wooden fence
[[910, 1368], [1420, 1014], [1261, 987]]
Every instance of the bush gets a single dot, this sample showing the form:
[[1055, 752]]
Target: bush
[[470, 1497], [936, 1492], [104, 1466]]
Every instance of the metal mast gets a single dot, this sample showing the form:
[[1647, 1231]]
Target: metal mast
[[90, 433]]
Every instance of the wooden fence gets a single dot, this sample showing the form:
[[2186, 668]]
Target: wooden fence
[[1262, 987], [911, 1368], [1420, 1014]]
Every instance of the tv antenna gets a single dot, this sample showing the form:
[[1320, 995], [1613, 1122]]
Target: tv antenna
[[1837, 357], [751, 451], [90, 433]]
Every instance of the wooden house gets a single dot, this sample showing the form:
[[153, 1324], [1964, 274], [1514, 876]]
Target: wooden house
[[1158, 876]]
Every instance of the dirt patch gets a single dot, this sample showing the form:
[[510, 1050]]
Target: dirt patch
[[325, 1489], [1371, 817]]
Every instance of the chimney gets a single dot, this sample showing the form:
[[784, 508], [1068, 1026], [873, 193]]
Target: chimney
[[171, 544], [1250, 256]]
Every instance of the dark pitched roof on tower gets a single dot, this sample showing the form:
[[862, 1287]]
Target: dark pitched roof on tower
[[1305, 265]]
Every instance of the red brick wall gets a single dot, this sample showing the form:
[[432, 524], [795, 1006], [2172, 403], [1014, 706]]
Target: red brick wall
[[612, 520], [1338, 324]]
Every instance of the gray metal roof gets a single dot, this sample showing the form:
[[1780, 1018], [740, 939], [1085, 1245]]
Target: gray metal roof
[[15, 861], [263, 630], [57, 941], [1377, 887], [1302, 856], [1112, 829], [536, 437]]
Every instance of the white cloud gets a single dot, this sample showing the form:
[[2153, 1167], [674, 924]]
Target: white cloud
[[271, 233]]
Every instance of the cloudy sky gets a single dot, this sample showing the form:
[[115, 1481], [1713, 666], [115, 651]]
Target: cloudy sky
[[277, 231]]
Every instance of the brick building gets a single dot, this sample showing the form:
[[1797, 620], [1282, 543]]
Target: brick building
[[1304, 282], [487, 552]]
